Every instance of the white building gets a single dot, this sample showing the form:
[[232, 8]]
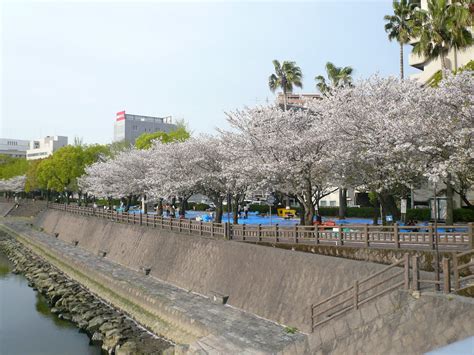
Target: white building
[[454, 60], [15, 148], [129, 127], [45, 147]]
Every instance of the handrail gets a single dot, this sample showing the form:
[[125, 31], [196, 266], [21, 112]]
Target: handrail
[[360, 295], [456, 268]]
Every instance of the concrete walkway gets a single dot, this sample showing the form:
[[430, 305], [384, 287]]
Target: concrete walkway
[[230, 330]]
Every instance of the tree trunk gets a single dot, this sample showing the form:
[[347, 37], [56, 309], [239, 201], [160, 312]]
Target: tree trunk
[[389, 206], [309, 214], [219, 211], [342, 203], [284, 99], [375, 217], [183, 206], [449, 201], [159, 210], [302, 214], [401, 61]]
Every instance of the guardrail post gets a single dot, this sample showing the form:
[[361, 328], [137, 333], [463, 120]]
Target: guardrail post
[[406, 258], [470, 233], [341, 235], [446, 276], [141, 218], [356, 294], [366, 235], [276, 233], [396, 235], [416, 273], [212, 229], [259, 232], [296, 234], [316, 236], [243, 232], [200, 227], [455, 272]]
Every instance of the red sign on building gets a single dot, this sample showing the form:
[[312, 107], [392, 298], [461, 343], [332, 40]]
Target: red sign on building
[[120, 116]]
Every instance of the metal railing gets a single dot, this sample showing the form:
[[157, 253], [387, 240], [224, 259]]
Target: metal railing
[[451, 238]]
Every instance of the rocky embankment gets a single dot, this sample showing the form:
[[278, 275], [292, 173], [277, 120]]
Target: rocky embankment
[[108, 327]]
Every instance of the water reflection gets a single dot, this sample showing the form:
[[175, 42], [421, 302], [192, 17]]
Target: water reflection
[[26, 324]]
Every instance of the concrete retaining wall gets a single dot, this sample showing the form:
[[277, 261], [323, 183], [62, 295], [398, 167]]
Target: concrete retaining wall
[[273, 283]]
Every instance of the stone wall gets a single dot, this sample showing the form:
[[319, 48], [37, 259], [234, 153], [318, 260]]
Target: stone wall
[[398, 323], [273, 283]]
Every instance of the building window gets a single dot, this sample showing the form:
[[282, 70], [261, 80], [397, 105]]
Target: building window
[[323, 203], [135, 128], [332, 203]]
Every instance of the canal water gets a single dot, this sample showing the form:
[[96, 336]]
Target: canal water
[[28, 327]]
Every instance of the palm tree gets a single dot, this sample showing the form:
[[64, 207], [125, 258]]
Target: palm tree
[[399, 26], [287, 74], [337, 77], [442, 27]]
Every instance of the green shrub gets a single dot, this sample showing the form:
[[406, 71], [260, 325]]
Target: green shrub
[[418, 214], [262, 209], [198, 206], [464, 215], [358, 212]]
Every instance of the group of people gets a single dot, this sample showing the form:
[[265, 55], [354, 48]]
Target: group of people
[[169, 211]]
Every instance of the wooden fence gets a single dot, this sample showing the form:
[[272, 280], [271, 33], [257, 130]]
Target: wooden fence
[[457, 237], [180, 225]]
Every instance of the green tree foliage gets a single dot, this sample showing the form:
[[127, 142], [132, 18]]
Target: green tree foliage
[[399, 26], [180, 134], [337, 77], [286, 76], [60, 171], [438, 76], [442, 27], [10, 167]]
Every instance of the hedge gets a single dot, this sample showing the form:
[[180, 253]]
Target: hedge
[[198, 206], [464, 215]]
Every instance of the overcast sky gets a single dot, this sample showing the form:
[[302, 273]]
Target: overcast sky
[[68, 67]]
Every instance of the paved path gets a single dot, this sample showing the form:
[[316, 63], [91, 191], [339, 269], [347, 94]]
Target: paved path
[[231, 330]]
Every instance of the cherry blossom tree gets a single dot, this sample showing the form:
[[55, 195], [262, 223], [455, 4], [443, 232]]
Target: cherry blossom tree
[[285, 151], [14, 184]]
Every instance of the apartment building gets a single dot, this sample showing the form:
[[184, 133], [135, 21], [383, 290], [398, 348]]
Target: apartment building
[[297, 100], [15, 148], [45, 147], [129, 127], [428, 67]]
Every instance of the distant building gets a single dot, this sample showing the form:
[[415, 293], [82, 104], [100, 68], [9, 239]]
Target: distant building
[[45, 147], [455, 58], [15, 148], [129, 127], [297, 100]]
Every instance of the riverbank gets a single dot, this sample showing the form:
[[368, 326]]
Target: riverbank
[[107, 327], [193, 321]]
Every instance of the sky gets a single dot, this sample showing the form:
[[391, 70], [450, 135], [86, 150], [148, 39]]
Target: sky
[[68, 67]]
